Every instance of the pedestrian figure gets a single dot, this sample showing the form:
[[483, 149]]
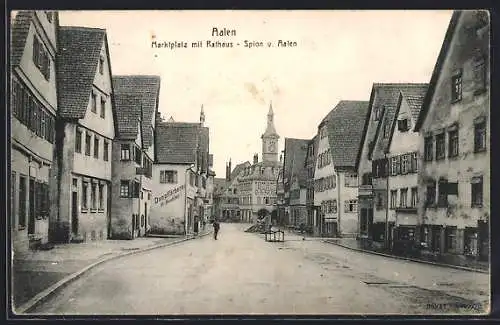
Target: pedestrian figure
[[196, 222], [216, 226]]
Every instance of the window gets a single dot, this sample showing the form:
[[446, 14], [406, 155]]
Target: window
[[351, 206], [431, 194], [380, 201], [124, 189], [103, 107], [85, 186], [136, 189], [93, 103], [403, 125], [101, 196], [403, 199], [96, 147], [101, 65], [477, 192], [41, 58], [414, 197], [453, 143], [443, 193], [480, 136], [87, 144], [351, 180], [440, 146], [394, 198], [451, 238], [428, 148], [394, 166], [456, 87], [93, 196], [106, 150], [48, 14], [138, 155], [452, 188], [479, 75], [387, 128], [168, 176], [78, 141], [125, 152]]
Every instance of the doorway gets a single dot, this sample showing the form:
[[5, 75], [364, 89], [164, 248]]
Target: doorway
[[74, 213]]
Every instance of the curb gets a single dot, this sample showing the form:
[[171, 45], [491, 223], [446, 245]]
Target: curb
[[463, 268], [42, 296]]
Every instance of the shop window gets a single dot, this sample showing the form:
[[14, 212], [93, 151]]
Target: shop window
[[477, 192], [451, 239]]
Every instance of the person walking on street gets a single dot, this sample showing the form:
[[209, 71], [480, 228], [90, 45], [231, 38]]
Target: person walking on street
[[216, 226]]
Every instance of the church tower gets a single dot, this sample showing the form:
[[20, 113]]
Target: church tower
[[202, 116], [270, 139]]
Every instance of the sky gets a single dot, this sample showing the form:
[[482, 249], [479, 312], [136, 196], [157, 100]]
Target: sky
[[338, 56]]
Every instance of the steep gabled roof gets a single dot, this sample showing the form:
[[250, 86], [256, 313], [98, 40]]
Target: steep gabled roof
[[128, 113], [219, 185], [345, 128], [295, 156], [176, 144], [77, 60], [414, 97], [19, 33], [437, 68], [388, 97], [147, 88], [238, 169]]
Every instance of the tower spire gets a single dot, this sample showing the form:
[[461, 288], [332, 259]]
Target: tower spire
[[202, 115]]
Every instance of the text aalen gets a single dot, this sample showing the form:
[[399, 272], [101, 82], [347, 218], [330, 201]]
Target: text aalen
[[223, 32]]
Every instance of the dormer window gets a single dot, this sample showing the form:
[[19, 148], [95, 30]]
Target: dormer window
[[49, 16], [403, 125], [387, 128]]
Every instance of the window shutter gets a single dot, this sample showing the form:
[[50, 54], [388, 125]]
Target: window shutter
[[346, 206], [175, 177], [398, 165]]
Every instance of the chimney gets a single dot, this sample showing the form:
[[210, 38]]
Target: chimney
[[255, 158]]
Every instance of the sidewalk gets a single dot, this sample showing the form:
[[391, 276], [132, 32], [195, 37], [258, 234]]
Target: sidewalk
[[36, 271], [443, 260]]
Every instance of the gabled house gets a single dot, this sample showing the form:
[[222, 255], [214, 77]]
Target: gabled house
[[33, 107], [179, 174], [335, 177], [454, 124], [298, 190], [85, 130], [295, 153], [372, 160], [136, 100], [228, 194], [403, 152], [310, 166]]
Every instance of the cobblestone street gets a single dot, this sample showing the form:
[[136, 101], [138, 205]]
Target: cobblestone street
[[240, 273]]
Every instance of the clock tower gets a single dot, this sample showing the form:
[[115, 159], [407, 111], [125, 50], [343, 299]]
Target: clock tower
[[270, 139]]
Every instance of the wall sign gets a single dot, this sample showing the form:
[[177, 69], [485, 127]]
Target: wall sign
[[169, 196]]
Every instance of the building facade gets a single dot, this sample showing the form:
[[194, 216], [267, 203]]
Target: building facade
[[33, 106], [179, 177], [84, 134], [298, 190], [454, 126], [310, 166], [403, 155], [257, 184]]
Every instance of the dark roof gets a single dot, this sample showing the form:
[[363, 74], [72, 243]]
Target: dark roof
[[238, 169], [175, 144], [295, 156], [218, 183], [19, 33], [437, 68], [414, 97], [148, 90], [128, 113], [388, 97], [301, 177], [345, 129], [77, 60]]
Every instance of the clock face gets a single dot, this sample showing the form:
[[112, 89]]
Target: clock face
[[271, 146]]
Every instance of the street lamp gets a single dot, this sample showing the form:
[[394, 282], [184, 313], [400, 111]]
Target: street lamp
[[185, 198]]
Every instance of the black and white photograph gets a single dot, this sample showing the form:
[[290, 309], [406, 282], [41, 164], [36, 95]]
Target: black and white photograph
[[248, 162]]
